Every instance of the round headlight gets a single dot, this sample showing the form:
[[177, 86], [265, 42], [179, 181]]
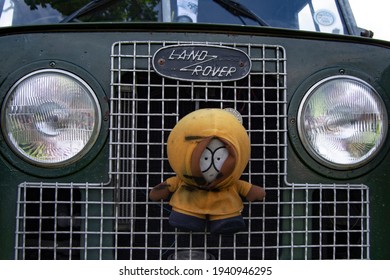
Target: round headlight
[[51, 117], [342, 122]]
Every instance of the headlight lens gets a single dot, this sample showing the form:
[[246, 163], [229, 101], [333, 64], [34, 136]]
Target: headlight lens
[[342, 122], [52, 117]]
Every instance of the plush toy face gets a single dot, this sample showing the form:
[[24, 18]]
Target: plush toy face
[[208, 148], [212, 159]]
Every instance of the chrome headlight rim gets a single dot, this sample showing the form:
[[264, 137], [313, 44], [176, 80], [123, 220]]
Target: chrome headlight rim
[[362, 164], [19, 163]]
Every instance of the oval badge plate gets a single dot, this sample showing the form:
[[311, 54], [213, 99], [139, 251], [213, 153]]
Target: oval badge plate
[[203, 63]]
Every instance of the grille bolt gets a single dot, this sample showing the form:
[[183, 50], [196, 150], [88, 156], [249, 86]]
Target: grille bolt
[[161, 61]]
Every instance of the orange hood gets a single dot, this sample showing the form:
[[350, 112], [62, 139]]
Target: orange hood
[[190, 137]]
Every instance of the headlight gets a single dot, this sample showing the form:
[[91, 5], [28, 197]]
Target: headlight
[[342, 122], [51, 117]]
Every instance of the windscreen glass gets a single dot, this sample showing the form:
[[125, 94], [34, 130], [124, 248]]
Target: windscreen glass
[[311, 15]]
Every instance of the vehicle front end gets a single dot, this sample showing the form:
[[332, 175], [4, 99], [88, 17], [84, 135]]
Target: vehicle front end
[[90, 92]]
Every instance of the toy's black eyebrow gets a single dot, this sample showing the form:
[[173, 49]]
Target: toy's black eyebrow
[[193, 137]]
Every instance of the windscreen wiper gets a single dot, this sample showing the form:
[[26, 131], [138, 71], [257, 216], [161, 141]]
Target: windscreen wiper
[[86, 9], [240, 10]]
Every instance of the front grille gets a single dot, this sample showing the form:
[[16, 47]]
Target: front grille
[[118, 221]]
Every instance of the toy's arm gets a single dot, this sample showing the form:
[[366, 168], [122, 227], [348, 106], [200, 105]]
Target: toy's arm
[[161, 191], [255, 193]]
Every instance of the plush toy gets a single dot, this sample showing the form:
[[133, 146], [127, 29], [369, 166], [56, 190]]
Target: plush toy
[[208, 149]]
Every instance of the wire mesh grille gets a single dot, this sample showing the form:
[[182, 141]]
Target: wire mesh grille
[[118, 221]]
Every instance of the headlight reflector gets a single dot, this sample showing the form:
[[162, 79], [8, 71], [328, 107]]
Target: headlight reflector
[[342, 122], [52, 117]]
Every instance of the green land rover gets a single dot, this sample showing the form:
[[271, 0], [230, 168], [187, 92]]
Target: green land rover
[[90, 90]]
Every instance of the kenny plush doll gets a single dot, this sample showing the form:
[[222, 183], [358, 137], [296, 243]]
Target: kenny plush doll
[[208, 149]]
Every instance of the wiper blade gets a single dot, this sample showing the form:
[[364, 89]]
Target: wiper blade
[[240, 10], [86, 9]]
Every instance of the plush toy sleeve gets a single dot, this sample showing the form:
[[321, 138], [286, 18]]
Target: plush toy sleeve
[[160, 192], [255, 193], [249, 191]]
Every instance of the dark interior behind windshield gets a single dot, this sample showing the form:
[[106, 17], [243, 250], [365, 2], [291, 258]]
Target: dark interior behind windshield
[[313, 15]]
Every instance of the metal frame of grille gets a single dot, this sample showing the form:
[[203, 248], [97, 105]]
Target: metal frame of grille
[[117, 220]]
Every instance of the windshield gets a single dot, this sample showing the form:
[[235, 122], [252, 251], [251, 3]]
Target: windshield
[[311, 15]]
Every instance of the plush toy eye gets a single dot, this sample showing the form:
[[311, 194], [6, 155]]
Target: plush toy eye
[[206, 160], [219, 157]]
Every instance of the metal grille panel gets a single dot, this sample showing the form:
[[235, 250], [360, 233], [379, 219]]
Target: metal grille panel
[[118, 221], [81, 221]]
